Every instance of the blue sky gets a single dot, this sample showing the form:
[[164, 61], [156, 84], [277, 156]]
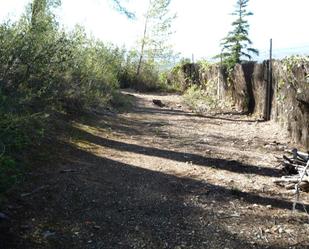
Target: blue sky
[[199, 27]]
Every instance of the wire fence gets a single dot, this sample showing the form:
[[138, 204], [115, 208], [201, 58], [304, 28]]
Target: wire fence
[[277, 53], [280, 53]]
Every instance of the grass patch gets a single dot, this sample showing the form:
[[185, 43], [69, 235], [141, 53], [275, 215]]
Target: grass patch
[[199, 100], [122, 102]]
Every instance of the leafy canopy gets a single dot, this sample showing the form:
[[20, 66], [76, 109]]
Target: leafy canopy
[[155, 47]]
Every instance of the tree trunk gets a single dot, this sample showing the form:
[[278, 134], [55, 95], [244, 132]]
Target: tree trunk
[[38, 8], [143, 42]]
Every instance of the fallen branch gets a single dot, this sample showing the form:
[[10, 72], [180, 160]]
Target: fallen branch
[[34, 191], [298, 168], [68, 171], [293, 179], [290, 160], [297, 187], [295, 166], [300, 155]]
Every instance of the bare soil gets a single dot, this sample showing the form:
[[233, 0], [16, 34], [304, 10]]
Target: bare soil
[[159, 178]]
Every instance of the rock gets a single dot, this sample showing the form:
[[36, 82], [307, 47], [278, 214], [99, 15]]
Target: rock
[[48, 234], [97, 227], [158, 102], [4, 217], [277, 228], [289, 231], [281, 147]]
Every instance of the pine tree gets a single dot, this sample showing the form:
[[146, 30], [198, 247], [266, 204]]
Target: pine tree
[[236, 45]]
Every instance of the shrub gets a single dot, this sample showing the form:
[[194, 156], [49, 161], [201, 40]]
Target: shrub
[[44, 70], [198, 100]]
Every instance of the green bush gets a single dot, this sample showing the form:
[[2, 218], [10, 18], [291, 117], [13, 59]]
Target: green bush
[[150, 78], [9, 173], [194, 97], [199, 100], [44, 70]]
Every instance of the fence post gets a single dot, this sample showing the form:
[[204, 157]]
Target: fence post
[[219, 76], [269, 83]]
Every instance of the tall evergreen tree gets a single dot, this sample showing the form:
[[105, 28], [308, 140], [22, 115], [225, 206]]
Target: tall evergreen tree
[[236, 45]]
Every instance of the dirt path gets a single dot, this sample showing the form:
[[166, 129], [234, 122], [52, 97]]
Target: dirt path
[[160, 178]]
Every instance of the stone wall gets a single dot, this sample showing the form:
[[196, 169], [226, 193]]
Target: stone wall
[[247, 86], [290, 104]]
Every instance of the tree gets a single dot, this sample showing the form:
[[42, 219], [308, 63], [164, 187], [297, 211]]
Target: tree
[[157, 30], [237, 45], [120, 8], [40, 9]]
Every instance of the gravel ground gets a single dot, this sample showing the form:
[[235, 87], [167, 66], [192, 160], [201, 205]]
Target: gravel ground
[[159, 178]]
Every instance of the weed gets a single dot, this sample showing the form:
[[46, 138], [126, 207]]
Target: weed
[[10, 173]]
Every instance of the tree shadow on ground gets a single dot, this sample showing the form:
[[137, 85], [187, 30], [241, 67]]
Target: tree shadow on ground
[[171, 110], [130, 207], [217, 116], [103, 203], [218, 163]]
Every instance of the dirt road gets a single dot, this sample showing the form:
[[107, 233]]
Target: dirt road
[[160, 178]]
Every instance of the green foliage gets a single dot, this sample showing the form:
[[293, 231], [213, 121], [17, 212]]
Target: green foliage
[[199, 99], [154, 43], [150, 77], [200, 86], [166, 85], [179, 66], [290, 80], [122, 101], [9, 173], [159, 30], [293, 62], [147, 80], [177, 77], [204, 65], [237, 45], [44, 70]]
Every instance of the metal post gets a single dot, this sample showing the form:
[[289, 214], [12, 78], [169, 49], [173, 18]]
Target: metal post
[[219, 75], [269, 82]]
